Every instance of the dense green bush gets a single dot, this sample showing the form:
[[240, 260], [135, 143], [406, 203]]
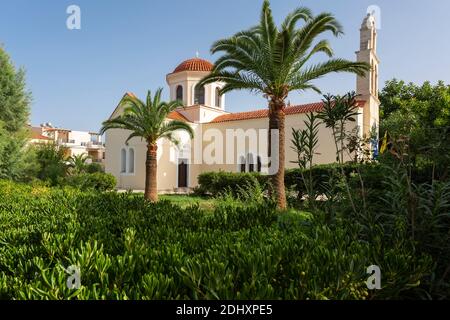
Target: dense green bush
[[321, 175], [94, 168], [372, 175], [218, 183], [96, 181], [127, 248]]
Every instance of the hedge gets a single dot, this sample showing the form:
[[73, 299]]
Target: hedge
[[97, 181], [217, 183], [128, 248], [373, 175]]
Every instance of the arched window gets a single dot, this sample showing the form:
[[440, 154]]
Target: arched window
[[123, 161], [242, 164], [131, 160], [218, 97], [179, 93], [199, 95]]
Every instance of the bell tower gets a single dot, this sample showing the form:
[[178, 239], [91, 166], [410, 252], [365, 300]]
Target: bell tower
[[367, 85]]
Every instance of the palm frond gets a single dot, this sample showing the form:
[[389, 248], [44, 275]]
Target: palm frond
[[331, 66], [274, 60], [294, 17], [147, 120], [175, 125]]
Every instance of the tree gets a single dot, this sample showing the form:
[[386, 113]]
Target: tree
[[52, 162], [430, 103], [14, 113], [276, 61], [148, 120], [78, 163], [419, 114]]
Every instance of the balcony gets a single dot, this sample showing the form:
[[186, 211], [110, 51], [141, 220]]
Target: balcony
[[65, 141], [92, 144]]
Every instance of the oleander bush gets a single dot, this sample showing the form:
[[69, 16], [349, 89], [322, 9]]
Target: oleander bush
[[127, 248]]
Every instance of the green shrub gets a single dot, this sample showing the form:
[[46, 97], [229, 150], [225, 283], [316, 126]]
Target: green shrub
[[217, 183], [321, 174], [51, 161], [97, 181], [128, 248], [293, 220], [94, 168]]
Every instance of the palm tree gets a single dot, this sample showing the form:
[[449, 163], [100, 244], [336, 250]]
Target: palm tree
[[274, 61], [148, 120], [78, 163]]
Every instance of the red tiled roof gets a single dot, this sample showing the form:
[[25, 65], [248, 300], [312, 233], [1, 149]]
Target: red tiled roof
[[195, 64], [264, 113], [175, 115], [37, 135]]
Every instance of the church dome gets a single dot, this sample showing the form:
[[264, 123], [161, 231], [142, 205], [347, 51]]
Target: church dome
[[195, 64]]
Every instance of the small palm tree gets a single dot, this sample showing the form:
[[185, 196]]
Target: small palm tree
[[274, 61], [78, 163], [148, 120]]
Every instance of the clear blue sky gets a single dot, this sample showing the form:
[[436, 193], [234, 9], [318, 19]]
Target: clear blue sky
[[78, 77]]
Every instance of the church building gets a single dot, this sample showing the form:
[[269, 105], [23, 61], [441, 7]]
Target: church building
[[234, 142]]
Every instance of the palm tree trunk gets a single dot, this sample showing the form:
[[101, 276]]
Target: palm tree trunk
[[151, 170], [277, 122]]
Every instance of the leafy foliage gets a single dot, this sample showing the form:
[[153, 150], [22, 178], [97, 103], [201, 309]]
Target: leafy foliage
[[149, 121], [52, 162], [305, 143], [94, 168], [419, 115], [128, 248], [337, 113], [98, 181], [275, 61], [221, 182], [78, 163], [15, 162], [429, 103]]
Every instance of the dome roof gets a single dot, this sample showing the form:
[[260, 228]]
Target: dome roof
[[195, 64]]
